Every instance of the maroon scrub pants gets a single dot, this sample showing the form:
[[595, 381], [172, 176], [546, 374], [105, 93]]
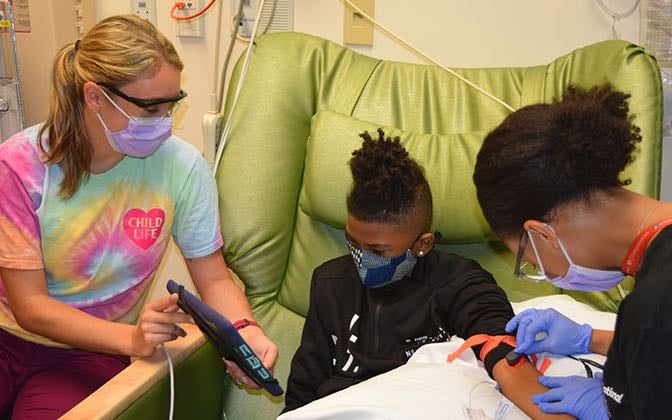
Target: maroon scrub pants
[[42, 382]]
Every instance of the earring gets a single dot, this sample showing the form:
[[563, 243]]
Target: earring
[[421, 253]]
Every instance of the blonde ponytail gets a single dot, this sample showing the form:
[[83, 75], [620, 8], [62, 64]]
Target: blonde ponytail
[[68, 145]]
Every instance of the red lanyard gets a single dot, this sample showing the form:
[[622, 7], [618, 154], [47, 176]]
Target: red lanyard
[[638, 247]]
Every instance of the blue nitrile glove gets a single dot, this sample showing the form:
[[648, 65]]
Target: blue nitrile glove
[[562, 335], [575, 395]]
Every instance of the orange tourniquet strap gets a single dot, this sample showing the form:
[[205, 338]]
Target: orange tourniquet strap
[[489, 342], [545, 363]]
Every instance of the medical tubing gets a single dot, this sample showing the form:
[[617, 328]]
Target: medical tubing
[[425, 56], [241, 80]]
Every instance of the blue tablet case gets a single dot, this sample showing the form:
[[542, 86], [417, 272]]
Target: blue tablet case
[[229, 343]]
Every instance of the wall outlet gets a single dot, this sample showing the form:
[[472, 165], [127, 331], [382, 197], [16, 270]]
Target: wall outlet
[[356, 29], [146, 9], [192, 28]]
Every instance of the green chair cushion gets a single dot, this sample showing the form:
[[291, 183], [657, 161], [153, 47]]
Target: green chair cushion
[[445, 158]]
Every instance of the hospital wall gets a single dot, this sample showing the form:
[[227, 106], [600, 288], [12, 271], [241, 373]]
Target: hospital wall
[[477, 33]]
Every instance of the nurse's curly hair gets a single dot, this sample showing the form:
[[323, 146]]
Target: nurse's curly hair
[[545, 156], [388, 185]]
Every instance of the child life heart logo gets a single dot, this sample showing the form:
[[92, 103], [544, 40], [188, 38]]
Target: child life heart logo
[[143, 228]]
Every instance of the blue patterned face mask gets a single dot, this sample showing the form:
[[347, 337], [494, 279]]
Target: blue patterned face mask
[[376, 271]]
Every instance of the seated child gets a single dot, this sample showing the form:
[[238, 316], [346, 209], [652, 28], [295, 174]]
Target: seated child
[[370, 310]]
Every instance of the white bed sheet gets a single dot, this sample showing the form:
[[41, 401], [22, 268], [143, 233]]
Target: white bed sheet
[[428, 387]]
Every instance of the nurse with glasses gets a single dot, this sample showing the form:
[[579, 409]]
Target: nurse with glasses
[[144, 134], [550, 182]]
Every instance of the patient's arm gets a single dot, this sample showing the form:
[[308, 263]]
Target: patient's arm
[[518, 384], [600, 341]]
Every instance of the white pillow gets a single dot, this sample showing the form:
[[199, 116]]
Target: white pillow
[[428, 387]]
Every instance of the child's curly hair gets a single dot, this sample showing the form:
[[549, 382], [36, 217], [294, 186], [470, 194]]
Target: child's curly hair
[[388, 184]]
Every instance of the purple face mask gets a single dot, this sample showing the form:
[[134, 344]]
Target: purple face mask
[[141, 137], [579, 277]]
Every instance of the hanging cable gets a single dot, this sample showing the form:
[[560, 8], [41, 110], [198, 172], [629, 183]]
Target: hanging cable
[[229, 52], [615, 16], [172, 382], [425, 56], [241, 79], [214, 99]]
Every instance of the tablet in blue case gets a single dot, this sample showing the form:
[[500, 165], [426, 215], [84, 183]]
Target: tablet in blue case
[[229, 343]]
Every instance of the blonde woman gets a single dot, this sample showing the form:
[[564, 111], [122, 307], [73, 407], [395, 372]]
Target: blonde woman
[[89, 202]]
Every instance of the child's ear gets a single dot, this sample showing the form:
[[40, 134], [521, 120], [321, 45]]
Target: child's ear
[[424, 244]]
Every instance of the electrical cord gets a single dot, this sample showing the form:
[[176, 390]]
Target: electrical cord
[[615, 16], [587, 363], [172, 381], [214, 99], [241, 80], [424, 56], [227, 59]]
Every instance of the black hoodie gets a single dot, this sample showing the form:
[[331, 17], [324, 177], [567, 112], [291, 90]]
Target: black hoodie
[[353, 333]]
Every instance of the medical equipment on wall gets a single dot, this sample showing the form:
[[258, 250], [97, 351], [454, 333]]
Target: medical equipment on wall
[[11, 102], [276, 16], [272, 16]]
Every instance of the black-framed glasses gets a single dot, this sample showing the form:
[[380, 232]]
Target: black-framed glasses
[[146, 103], [523, 269]]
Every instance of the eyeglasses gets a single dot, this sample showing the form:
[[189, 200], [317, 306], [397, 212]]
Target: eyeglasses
[[523, 269], [146, 103]]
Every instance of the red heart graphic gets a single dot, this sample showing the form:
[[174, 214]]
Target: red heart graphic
[[142, 227]]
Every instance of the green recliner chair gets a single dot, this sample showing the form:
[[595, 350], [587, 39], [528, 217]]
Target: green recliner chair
[[283, 176]]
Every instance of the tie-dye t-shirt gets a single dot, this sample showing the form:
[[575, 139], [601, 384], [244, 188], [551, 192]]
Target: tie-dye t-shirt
[[101, 248]]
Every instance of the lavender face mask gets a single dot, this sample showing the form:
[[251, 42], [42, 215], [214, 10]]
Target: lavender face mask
[[141, 137]]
